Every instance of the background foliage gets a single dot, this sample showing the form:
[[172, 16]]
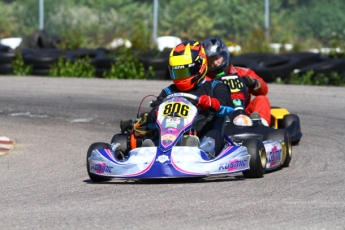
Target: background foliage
[[304, 23]]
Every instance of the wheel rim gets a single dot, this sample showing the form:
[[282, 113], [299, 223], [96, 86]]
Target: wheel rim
[[262, 157], [283, 153], [290, 149]]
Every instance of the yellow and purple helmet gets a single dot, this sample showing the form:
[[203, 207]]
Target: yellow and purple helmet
[[187, 65]]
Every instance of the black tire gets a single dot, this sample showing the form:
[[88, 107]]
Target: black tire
[[94, 177], [277, 66], [103, 62], [43, 59], [304, 58], [161, 74], [324, 67], [6, 57], [123, 139], [270, 66], [6, 68], [288, 120], [257, 163], [281, 134], [157, 60], [6, 49], [99, 72], [81, 53], [244, 62], [40, 72]]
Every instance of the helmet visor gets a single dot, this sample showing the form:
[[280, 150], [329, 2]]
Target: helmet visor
[[217, 60], [183, 71]]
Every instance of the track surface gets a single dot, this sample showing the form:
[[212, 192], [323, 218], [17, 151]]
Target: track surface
[[53, 121]]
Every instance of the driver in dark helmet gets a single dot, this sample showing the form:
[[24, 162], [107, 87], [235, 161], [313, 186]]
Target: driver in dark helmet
[[219, 64], [188, 68]]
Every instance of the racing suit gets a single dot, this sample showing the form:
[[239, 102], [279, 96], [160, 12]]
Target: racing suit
[[260, 103], [212, 125]]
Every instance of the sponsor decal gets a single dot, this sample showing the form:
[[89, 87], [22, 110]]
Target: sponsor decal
[[171, 125], [101, 168], [168, 137], [172, 122], [237, 103], [232, 165], [162, 158], [274, 156], [178, 67], [238, 96]]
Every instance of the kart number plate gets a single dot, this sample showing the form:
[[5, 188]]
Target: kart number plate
[[181, 109]]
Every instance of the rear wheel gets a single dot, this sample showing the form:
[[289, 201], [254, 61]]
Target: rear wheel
[[94, 177], [257, 163], [288, 120], [281, 134]]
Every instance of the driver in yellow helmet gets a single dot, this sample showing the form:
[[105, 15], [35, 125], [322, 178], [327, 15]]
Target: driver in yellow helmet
[[188, 67]]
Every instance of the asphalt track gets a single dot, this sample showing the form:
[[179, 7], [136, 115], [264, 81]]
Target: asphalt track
[[53, 121]]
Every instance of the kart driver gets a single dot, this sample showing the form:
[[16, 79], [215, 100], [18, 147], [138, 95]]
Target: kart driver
[[219, 65], [188, 68]]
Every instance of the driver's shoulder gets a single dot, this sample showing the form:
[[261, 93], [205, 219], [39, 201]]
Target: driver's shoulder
[[213, 83]]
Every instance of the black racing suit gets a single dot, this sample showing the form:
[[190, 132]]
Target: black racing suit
[[208, 127]]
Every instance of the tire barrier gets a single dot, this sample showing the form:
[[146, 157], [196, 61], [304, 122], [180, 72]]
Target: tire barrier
[[244, 62], [324, 66], [38, 40], [73, 55], [270, 66], [304, 58], [41, 60], [103, 62], [158, 61], [266, 65], [6, 57]]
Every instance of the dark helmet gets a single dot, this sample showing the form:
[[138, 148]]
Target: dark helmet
[[187, 65], [216, 48]]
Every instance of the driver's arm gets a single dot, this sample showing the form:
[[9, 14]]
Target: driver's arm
[[222, 93]]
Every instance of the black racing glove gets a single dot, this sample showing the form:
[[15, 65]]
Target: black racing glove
[[250, 82]]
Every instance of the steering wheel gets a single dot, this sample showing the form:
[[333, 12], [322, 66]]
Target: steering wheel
[[194, 99]]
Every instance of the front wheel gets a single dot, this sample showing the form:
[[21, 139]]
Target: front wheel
[[94, 146], [123, 139], [257, 163]]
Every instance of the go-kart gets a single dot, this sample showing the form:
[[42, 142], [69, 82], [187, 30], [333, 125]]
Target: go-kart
[[126, 156], [275, 143], [281, 118], [277, 138]]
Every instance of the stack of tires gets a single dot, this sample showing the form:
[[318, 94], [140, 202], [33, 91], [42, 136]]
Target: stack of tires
[[266, 65], [271, 66], [159, 62], [102, 61], [41, 60], [6, 57]]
